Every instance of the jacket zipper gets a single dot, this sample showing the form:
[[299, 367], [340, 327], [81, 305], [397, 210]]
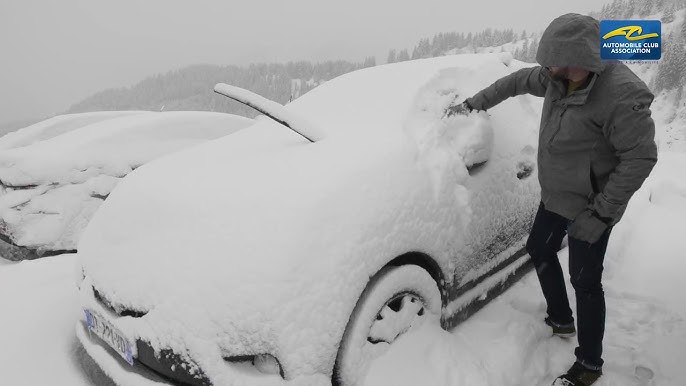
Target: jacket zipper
[[559, 126]]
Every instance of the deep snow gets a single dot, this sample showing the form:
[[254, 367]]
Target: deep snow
[[506, 343]]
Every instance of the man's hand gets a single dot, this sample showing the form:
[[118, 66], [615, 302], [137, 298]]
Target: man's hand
[[463, 108], [588, 226]]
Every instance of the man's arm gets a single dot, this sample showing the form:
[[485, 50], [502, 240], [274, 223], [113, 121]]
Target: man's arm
[[631, 131], [532, 80]]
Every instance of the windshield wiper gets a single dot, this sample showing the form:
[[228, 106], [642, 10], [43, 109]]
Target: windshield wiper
[[273, 110]]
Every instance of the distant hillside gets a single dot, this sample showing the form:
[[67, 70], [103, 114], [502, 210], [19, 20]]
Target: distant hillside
[[191, 88]]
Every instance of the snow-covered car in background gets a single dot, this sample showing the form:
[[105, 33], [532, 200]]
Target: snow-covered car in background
[[55, 174], [307, 256]]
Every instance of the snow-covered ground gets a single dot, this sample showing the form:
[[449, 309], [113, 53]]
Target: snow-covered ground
[[505, 343]]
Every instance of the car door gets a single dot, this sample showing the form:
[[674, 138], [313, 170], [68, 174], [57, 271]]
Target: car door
[[503, 195]]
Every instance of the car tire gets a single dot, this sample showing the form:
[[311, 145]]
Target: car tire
[[396, 300]]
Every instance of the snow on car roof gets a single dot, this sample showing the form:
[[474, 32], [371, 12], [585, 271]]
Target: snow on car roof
[[112, 146], [57, 125], [383, 97], [51, 188]]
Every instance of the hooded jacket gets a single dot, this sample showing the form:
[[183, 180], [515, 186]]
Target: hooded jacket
[[597, 145]]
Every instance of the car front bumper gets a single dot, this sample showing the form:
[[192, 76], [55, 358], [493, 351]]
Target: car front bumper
[[148, 369]]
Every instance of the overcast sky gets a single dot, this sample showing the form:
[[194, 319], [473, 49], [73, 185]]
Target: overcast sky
[[55, 53]]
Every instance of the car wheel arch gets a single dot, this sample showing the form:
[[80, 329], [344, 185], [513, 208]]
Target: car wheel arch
[[426, 262], [420, 259]]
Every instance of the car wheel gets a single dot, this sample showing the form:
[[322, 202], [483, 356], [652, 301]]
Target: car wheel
[[395, 301]]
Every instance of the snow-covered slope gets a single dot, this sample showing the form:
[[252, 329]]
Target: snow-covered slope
[[54, 175]]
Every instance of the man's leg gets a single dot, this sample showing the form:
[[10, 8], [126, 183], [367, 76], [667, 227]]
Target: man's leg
[[544, 241], [586, 271]]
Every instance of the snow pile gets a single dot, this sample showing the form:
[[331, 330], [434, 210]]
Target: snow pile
[[453, 144], [282, 225], [38, 305], [52, 185]]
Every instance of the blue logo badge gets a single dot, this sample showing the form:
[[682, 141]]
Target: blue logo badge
[[630, 39]]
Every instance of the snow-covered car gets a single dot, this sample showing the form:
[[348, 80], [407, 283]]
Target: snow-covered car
[[304, 246], [55, 174]]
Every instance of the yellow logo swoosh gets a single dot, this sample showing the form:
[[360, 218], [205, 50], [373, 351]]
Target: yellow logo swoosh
[[629, 32]]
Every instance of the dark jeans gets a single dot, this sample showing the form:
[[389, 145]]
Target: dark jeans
[[585, 270]]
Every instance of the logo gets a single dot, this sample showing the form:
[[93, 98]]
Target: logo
[[630, 39]]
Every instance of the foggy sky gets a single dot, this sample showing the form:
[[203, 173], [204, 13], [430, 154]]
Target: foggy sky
[[55, 53]]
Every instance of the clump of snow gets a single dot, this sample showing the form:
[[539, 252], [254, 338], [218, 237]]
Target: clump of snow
[[451, 144], [50, 189]]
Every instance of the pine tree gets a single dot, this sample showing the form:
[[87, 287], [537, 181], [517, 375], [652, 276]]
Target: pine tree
[[680, 60], [403, 56], [612, 10], [533, 50], [369, 61], [672, 67], [422, 50], [603, 11], [630, 9], [525, 50], [391, 56], [668, 15], [517, 54]]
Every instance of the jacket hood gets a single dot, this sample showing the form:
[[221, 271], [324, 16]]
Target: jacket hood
[[571, 40]]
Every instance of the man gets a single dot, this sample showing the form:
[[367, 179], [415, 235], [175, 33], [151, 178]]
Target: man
[[596, 147]]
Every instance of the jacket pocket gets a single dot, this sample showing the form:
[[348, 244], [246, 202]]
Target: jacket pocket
[[571, 173]]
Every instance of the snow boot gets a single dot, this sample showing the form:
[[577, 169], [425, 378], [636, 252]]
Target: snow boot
[[578, 375], [562, 330]]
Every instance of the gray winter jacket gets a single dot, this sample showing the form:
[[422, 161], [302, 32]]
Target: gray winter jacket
[[596, 146]]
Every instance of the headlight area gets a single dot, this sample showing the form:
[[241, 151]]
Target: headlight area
[[181, 370], [263, 363], [171, 365]]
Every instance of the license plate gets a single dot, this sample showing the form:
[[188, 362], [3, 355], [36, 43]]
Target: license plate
[[108, 333]]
